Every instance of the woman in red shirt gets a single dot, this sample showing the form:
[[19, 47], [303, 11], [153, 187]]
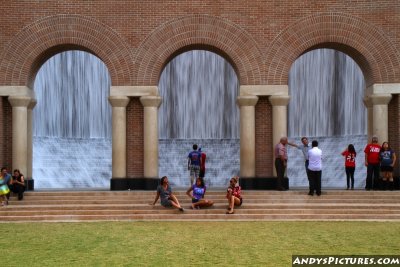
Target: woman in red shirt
[[350, 165]]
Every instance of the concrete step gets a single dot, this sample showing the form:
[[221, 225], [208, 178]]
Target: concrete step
[[257, 206]]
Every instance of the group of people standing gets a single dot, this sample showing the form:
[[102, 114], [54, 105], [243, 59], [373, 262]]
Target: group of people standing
[[8, 184], [312, 163], [379, 160]]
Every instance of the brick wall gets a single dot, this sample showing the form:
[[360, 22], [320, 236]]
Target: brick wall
[[394, 128], [5, 133], [264, 145], [136, 39], [134, 138]]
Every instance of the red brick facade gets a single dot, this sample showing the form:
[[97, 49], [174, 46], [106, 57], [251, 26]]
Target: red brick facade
[[136, 39], [134, 138]]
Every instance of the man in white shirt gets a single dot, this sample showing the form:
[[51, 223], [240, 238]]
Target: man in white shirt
[[315, 168]]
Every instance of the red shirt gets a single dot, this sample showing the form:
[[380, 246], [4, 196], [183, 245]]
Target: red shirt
[[236, 191], [372, 152], [350, 159], [203, 161]]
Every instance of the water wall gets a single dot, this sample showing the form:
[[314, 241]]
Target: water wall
[[72, 118], [326, 89], [199, 91], [72, 123]]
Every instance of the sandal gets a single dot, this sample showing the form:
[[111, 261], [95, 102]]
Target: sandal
[[230, 212]]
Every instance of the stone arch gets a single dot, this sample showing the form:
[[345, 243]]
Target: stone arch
[[42, 39], [199, 32], [365, 43]]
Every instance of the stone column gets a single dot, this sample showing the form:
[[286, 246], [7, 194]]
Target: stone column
[[118, 104], [380, 115], [247, 135], [150, 104], [20, 132], [368, 105], [279, 120], [31, 105]]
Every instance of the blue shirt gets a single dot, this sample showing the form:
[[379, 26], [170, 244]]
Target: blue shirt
[[386, 157], [198, 192], [194, 157]]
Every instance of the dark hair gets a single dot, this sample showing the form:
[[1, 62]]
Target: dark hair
[[382, 149], [16, 170], [351, 149], [303, 138], [314, 143], [4, 168], [194, 147], [162, 180], [201, 181]]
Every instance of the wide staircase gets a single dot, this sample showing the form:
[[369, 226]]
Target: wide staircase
[[68, 206]]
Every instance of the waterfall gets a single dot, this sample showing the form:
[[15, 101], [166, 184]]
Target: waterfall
[[72, 118], [326, 89], [199, 91], [72, 123]]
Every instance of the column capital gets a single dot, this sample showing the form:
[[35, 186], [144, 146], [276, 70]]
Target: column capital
[[367, 102], [279, 100], [380, 99], [32, 104], [151, 101], [118, 101], [247, 100], [19, 101]]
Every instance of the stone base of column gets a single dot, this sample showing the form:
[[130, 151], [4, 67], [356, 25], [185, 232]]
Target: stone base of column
[[29, 184], [261, 183], [134, 183]]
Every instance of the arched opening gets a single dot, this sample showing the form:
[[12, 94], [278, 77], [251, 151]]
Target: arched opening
[[199, 91], [72, 123], [327, 89]]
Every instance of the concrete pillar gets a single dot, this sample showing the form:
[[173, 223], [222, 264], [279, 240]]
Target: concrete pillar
[[368, 105], [380, 115], [279, 120], [247, 135], [20, 132], [118, 104], [150, 104], [31, 105]]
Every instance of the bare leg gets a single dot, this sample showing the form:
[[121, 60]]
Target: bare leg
[[175, 202], [204, 203]]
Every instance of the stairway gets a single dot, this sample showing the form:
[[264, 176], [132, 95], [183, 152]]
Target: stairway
[[333, 205]]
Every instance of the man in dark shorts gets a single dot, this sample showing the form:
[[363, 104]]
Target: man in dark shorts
[[194, 162]]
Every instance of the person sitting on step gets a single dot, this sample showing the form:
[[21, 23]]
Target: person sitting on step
[[164, 192], [234, 194], [18, 183], [199, 190]]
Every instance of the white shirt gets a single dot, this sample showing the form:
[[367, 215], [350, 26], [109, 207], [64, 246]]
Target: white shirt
[[315, 159]]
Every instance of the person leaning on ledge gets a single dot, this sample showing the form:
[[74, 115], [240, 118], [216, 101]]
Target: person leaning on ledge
[[281, 158]]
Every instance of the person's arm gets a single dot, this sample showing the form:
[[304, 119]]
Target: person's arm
[[188, 192], [344, 153], [188, 163], [366, 159], [155, 200], [393, 159], [293, 144]]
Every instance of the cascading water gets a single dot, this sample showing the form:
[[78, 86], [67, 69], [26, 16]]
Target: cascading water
[[326, 89], [72, 123], [199, 91], [72, 118]]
